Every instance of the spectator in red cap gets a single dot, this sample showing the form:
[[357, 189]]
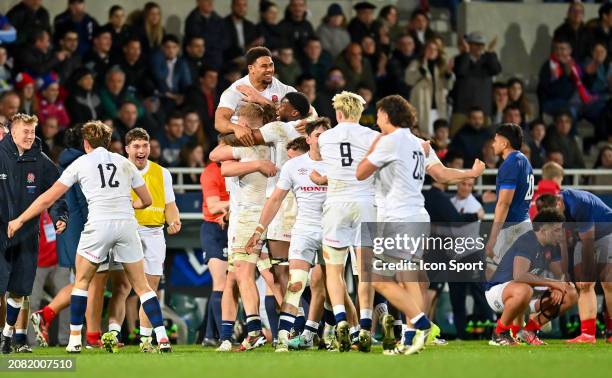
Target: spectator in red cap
[[26, 89]]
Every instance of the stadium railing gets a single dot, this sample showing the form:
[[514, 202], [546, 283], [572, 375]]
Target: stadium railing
[[576, 176]]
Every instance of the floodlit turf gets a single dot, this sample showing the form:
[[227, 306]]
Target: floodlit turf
[[458, 359]]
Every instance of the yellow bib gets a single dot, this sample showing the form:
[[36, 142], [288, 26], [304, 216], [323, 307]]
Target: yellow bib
[[153, 215]]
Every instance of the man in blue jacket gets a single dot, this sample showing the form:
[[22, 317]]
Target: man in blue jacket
[[25, 173]]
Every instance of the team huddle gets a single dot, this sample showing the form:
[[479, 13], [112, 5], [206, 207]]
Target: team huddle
[[303, 196]]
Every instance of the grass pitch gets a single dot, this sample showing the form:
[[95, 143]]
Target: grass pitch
[[458, 359]]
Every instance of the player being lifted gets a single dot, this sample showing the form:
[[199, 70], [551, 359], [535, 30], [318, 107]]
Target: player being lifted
[[251, 198], [306, 234], [106, 180], [349, 203], [151, 222]]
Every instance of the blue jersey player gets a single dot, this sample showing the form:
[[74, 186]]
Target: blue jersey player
[[589, 217], [520, 280], [515, 187]]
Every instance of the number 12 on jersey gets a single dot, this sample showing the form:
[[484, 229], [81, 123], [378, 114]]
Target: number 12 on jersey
[[111, 180]]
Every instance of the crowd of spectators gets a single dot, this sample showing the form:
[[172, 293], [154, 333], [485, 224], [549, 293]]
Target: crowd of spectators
[[128, 71]]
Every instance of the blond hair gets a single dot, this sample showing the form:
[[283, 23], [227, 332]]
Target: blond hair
[[552, 170], [252, 111], [24, 118], [349, 104], [97, 134]]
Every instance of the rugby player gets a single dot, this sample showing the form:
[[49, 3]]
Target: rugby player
[[151, 221], [589, 217], [306, 234], [514, 189], [110, 225], [251, 198], [519, 283], [349, 203]]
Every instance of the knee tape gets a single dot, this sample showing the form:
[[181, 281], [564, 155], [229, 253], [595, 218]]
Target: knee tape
[[297, 282], [334, 256], [263, 264]]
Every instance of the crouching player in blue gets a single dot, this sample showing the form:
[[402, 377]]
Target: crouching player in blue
[[520, 282], [589, 217]]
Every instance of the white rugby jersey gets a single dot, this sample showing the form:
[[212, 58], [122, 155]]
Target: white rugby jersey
[[401, 160], [295, 176], [252, 186], [232, 186], [342, 149], [232, 98], [278, 135], [106, 180]]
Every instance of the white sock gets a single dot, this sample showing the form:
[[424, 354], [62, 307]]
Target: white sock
[[338, 309], [74, 339], [114, 327], [283, 335], [366, 313], [7, 331], [160, 333], [146, 332], [416, 318], [354, 329]]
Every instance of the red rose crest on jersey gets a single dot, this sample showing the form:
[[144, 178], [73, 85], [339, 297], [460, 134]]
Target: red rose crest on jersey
[[274, 98], [30, 178]]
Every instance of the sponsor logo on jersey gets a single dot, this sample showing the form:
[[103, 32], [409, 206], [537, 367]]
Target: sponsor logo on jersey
[[3, 176], [313, 188], [302, 171]]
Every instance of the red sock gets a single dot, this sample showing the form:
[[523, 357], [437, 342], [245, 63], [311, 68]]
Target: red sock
[[501, 327], [609, 324], [48, 314], [588, 326], [93, 337], [515, 329], [532, 326]]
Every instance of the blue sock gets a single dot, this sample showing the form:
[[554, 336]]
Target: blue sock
[[20, 337], [365, 323], [209, 333], [408, 336], [151, 307], [328, 317], [253, 323], [421, 322], [354, 332], [286, 321], [397, 328], [378, 299], [339, 313], [270, 303], [215, 299], [12, 311], [300, 322], [312, 326], [227, 330], [78, 305]]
